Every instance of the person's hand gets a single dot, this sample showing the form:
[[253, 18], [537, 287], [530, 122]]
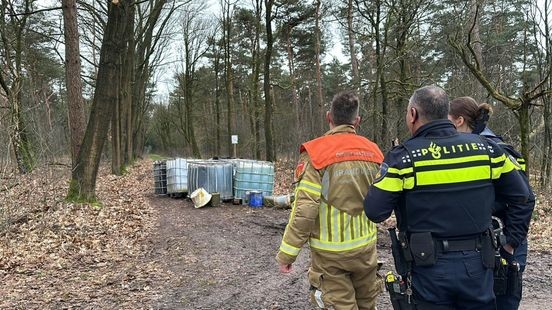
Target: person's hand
[[285, 268], [508, 248]]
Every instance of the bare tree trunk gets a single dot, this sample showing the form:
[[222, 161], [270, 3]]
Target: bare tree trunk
[[402, 31], [83, 178], [12, 52], [257, 70], [380, 74], [294, 96], [546, 164], [126, 87], [373, 12], [146, 44], [352, 49], [523, 120], [384, 111], [19, 137], [193, 31], [217, 99], [116, 155], [402, 99], [478, 90], [249, 114], [229, 77], [270, 156], [317, 50], [75, 102], [121, 123], [189, 104], [312, 120]]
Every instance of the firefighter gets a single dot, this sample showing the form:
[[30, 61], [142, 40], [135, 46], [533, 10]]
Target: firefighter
[[333, 174], [442, 186], [470, 117]]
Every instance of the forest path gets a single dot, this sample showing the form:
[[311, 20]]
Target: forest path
[[141, 251], [223, 258]]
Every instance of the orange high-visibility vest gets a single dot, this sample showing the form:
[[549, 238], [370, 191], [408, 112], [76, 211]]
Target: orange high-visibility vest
[[331, 149]]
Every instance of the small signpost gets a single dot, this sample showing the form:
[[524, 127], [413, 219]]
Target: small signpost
[[235, 143]]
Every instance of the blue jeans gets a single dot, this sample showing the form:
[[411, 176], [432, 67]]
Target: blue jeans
[[458, 280], [511, 300]]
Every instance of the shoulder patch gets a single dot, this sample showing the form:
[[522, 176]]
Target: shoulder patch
[[381, 173], [515, 162], [300, 170]]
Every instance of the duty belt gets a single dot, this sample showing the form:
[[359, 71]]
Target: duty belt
[[458, 245]]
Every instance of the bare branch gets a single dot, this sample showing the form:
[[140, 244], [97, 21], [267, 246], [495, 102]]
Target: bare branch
[[90, 62], [35, 12], [528, 94], [540, 94], [511, 103], [468, 44]]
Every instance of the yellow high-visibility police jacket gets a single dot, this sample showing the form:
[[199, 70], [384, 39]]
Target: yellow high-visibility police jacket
[[333, 175]]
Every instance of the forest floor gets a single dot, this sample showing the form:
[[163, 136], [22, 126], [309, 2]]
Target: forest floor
[[141, 251]]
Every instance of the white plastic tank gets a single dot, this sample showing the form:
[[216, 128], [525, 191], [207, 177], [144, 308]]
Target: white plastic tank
[[252, 175], [213, 176], [177, 175]]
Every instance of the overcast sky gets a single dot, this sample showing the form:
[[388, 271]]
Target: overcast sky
[[165, 76]]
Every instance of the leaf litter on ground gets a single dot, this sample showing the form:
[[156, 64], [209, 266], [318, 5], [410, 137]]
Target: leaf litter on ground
[[57, 253]]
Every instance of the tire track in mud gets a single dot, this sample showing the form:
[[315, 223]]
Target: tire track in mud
[[223, 258]]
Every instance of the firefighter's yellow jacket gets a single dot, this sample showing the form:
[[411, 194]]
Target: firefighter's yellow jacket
[[332, 178]]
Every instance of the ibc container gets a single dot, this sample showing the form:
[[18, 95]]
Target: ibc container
[[160, 177], [177, 175], [253, 175], [213, 176]]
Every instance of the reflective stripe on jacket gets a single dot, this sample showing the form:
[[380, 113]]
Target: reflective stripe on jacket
[[327, 211], [444, 182]]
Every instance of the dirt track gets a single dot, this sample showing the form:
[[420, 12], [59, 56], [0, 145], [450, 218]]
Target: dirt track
[[140, 251], [223, 258]]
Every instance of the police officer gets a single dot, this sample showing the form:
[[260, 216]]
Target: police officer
[[470, 117], [442, 187], [333, 174]]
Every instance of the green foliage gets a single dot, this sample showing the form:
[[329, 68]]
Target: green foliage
[[298, 17], [504, 44], [157, 157], [335, 78], [125, 169], [43, 64], [414, 51]]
